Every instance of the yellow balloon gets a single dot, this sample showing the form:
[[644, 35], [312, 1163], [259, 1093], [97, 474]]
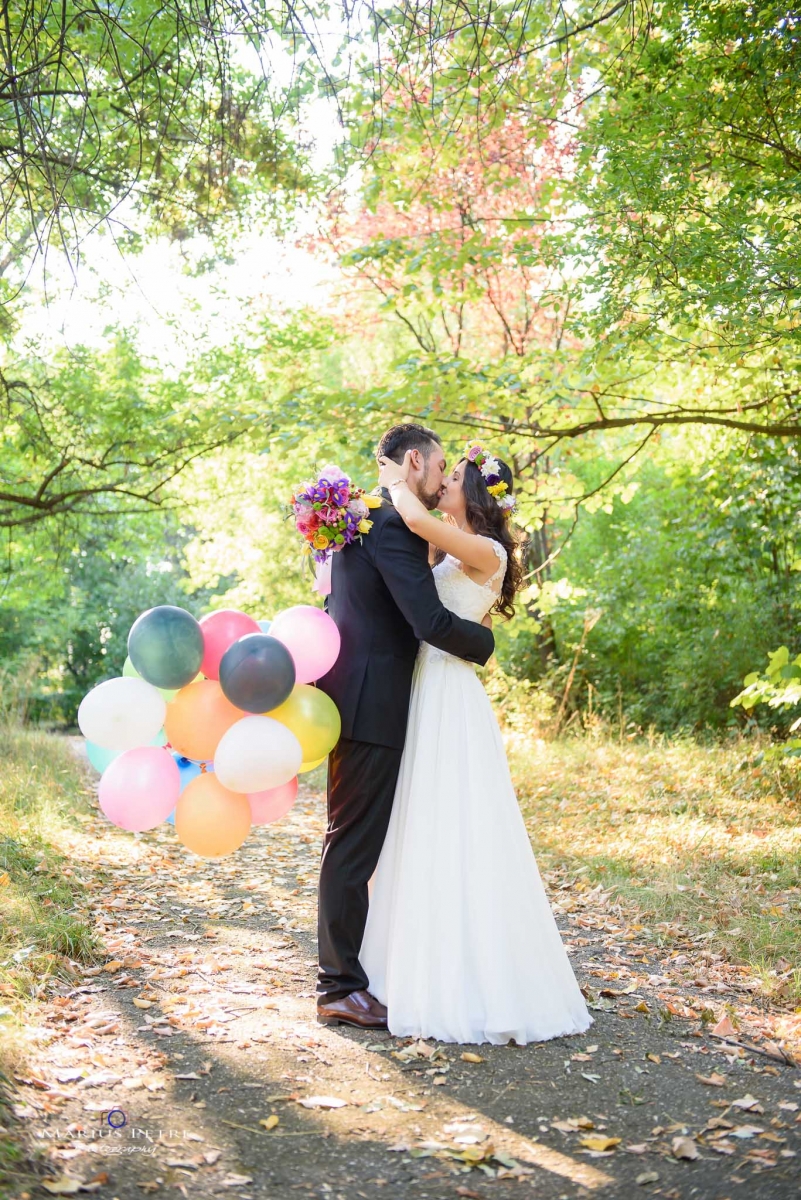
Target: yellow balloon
[[313, 718], [310, 766], [210, 819]]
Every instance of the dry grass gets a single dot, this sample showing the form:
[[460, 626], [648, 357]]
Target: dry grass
[[42, 792], [682, 833]]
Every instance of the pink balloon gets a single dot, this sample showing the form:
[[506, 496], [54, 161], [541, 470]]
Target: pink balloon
[[140, 788], [220, 630], [272, 804], [311, 637]]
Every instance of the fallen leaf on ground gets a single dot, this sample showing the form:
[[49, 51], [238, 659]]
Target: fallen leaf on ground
[[468, 1056], [599, 1143], [713, 1080], [647, 1177], [573, 1124], [65, 1185], [746, 1131], [748, 1103], [684, 1147], [417, 1049], [269, 1122], [724, 1028], [322, 1102]]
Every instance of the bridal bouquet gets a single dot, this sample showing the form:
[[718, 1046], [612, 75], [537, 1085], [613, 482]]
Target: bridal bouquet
[[331, 513]]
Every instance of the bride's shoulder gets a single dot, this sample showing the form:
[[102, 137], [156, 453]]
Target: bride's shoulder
[[497, 546]]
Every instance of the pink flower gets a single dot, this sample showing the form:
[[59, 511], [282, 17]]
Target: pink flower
[[359, 508], [331, 474]]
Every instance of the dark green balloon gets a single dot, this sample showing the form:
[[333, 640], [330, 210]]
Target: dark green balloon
[[166, 646], [257, 673]]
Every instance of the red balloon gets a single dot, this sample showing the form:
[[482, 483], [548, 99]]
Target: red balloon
[[220, 630]]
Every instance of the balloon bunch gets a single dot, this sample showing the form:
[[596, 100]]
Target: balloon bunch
[[212, 722]]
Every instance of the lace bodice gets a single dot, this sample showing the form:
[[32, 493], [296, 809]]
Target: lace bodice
[[461, 594]]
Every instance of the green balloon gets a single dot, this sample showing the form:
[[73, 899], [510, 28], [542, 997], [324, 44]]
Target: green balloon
[[165, 646]]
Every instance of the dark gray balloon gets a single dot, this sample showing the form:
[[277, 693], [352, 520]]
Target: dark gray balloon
[[166, 646], [257, 673]]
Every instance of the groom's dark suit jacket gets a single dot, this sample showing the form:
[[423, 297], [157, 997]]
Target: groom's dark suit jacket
[[384, 602]]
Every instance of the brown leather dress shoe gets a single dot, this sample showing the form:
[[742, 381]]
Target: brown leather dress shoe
[[358, 1008]]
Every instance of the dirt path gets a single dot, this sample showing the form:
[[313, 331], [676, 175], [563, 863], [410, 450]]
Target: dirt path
[[199, 1034]]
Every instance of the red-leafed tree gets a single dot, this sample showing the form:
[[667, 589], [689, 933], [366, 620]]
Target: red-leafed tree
[[449, 235]]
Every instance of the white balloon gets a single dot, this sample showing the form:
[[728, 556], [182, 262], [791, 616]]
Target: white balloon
[[257, 753], [121, 714]]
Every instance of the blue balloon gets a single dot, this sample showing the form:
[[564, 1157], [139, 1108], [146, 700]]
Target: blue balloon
[[264, 626], [188, 770]]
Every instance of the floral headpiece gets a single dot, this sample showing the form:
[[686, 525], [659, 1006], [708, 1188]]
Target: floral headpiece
[[490, 468]]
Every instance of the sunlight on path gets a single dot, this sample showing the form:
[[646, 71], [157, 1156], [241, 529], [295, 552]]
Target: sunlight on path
[[199, 1033]]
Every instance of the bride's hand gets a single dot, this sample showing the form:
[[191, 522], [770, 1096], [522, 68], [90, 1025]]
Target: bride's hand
[[391, 472]]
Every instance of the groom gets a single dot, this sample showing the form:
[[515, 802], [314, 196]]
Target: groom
[[384, 602]]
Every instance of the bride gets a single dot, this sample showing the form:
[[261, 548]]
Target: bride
[[460, 943]]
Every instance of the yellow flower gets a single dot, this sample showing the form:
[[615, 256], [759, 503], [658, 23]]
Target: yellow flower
[[365, 526], [306, 548], [372, 501], [320, 541], [497, 489]]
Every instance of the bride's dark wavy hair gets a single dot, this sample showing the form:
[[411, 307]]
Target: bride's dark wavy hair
[[485, 517]]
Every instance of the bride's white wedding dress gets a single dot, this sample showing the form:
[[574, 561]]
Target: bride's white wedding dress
[[460, 943]]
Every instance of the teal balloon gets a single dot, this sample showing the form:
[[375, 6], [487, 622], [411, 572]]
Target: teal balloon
[[99, 757], [165, 646], [264, 626]]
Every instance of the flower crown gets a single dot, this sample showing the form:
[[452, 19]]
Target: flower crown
[[490, 468]]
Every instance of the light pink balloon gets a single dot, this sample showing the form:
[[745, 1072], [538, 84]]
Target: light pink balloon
[[140, 788], [272, 804], [311, 637], [220, 630]]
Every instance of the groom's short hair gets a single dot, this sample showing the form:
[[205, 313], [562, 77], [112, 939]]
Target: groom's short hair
[[400, 438]]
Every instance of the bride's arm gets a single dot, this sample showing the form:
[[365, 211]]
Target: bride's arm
[[473, 551]]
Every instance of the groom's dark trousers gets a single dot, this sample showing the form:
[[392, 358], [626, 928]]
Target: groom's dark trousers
[[384, 602]]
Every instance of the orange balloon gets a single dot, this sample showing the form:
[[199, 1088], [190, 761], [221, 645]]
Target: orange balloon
[[209, 819], [198, 717]]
